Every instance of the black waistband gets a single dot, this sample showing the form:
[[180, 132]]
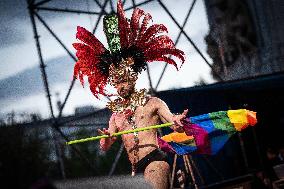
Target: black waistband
[[155, 155]]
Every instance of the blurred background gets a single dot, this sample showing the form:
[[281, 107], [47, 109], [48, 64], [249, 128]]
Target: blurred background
[[234, 59]]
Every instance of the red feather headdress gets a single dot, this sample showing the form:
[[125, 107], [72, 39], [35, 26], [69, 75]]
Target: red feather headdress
[[139, 42]]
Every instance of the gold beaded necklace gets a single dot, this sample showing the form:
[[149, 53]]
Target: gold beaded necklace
[[128, 107]]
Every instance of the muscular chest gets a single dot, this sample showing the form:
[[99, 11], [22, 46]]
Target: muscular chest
[[142, 116]]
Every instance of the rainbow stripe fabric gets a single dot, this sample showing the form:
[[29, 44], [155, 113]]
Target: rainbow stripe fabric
[[207, 133]]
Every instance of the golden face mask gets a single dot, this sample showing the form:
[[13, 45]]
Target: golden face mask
[[122, 73]]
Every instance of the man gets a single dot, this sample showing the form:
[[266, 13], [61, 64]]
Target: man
[[132, 44], [149, 159]]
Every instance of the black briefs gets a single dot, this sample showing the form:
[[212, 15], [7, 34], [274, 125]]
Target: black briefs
[[155, 155]]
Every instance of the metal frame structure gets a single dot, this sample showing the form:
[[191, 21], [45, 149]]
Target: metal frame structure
[[34, 7]]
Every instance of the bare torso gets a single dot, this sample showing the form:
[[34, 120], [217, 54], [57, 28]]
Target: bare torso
[[155, 111], [144, 116]]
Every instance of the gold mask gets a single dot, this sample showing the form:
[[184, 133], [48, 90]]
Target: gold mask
[[122, 73]]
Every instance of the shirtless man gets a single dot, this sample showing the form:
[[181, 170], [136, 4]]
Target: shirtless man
[[151, 160], [131, 45]]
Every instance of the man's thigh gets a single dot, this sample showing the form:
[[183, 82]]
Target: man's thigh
[[157, 174]]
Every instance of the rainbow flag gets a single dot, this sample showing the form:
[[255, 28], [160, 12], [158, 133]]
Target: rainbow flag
[[207, 133]]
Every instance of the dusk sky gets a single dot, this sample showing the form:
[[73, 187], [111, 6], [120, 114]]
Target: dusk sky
[[21, 86]]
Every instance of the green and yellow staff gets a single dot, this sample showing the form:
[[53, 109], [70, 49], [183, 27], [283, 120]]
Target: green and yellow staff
[[119, 133]]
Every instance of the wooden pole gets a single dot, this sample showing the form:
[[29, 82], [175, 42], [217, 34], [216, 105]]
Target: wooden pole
[[173, 171], [187, 162]]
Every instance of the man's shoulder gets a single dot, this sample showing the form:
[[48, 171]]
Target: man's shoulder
[[155, 102], [113, 115], [155, 99]]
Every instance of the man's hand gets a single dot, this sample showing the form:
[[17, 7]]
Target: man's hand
[[103, 132], [177, 119], [106, 132]]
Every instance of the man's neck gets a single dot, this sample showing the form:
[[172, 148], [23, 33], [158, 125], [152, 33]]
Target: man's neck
[[127, 98], [135, 99]]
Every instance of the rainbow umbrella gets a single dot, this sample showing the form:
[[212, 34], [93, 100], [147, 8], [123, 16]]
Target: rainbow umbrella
[[207, 133]]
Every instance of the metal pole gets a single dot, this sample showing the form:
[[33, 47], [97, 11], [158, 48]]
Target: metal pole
[[66, 10], [41, 3], [177, 40], [42, 65], [69, 53], [133, 4], [98, 3], [44, 77], [100, 16], [189, 39], [123, 2], [116, 160], [55, 36], [54, 123], [112, 7], [138, 4], [59, 154]]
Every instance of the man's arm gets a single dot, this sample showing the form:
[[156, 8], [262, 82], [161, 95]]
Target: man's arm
[[105, 143], [166, 115]]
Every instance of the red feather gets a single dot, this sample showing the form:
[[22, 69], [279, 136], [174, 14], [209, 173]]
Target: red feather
[[97, 83], [145, 23], [137, 14], [160, 52], [89, 39], [78, 72], [167, 60], [88, 57], [161, 41], [124, 28], [82, 47], [152, 31], [76, 69]]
